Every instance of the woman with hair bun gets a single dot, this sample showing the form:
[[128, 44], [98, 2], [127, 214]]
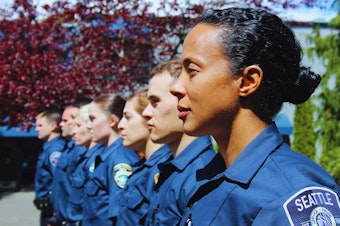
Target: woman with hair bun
[[114, 164], [238, 67]]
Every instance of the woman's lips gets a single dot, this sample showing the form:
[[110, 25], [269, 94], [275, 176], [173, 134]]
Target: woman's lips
[[182, 112]]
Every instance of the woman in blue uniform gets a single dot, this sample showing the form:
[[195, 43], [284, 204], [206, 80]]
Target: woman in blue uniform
[[133, 128], [247, 62], [113, 166], [84, 166]]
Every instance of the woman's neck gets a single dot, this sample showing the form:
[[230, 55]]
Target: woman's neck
[[244, 129], [112, 138]]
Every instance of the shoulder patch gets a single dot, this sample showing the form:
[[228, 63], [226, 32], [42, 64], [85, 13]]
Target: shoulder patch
[[54, 157], [121, 172], [313, 206]]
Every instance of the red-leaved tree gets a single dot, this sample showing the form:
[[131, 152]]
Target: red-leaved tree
[[85, 49], [80, 50]]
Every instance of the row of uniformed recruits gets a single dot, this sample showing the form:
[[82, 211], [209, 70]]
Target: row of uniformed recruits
[[101, 182], [165, 176], [98, 181], [157, 192], [89, 163]]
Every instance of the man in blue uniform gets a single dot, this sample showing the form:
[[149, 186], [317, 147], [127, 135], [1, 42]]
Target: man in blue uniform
[[175, 181], [61, 189], [47, 126]]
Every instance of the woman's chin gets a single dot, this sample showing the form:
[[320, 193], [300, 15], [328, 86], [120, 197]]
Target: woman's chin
[[191, 130]]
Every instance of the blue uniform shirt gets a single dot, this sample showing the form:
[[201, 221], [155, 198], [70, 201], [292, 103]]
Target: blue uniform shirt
[[46, 166], [176, 182], [135, 199], [61, 187], [112, 169], [80, 176], [268, 184]]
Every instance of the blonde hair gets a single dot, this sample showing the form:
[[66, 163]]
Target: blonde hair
[[84, 112]]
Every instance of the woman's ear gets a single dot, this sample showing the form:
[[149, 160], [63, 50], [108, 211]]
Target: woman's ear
[[251, 79], [113, 120]]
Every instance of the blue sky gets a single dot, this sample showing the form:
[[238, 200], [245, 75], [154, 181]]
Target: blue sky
[[301, 14], [315, 14]]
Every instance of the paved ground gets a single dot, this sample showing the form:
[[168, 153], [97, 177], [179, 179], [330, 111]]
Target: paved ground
[[16, 209]]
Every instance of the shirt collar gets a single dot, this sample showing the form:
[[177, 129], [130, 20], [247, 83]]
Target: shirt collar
[[108, 150], [163, 153], [213, 168], [254, 155], [53, 141], [94, 149], [194, 149]]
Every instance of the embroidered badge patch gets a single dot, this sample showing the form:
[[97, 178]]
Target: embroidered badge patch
[[54, 157], [121, 172], [313, 206]]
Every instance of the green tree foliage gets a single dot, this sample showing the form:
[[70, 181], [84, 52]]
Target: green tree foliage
[[304, 135], [328, 108], [331, 162]]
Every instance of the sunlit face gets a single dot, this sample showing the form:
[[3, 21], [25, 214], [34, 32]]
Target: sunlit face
[[133, 127], [67, 123], [162, 112], [43, 128], [99, 124], [73, 116], [81, 132], [206, 89]]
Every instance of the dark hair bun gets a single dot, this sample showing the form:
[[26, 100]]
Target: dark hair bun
[[304, 86]]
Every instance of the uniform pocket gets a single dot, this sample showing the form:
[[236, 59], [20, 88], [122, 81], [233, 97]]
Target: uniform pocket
[[132, 198], [91, 188]]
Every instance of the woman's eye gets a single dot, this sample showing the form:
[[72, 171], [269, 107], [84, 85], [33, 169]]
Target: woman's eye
[[192, 71]]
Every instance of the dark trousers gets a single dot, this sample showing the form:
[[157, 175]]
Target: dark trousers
[[45, 218]]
